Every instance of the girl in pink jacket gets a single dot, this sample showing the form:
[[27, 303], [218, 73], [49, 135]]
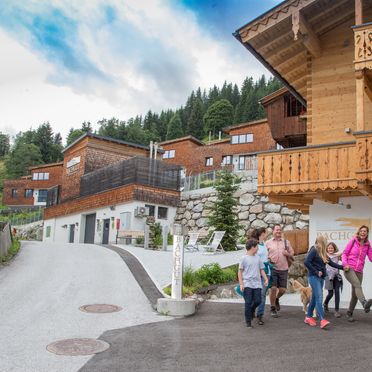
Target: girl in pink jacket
[[353, 258]]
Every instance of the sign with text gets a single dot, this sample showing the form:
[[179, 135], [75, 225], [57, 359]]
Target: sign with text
[[177, 271]]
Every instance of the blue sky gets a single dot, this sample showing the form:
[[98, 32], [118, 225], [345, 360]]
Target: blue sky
[[69, 61]]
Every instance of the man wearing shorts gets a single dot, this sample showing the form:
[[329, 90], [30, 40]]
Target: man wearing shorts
[[279, 249]]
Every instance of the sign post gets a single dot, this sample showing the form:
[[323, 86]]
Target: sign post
[[177, 271]]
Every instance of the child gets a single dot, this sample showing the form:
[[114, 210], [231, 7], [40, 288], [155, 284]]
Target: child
[[315, 262], [251, 268], [333, 281]]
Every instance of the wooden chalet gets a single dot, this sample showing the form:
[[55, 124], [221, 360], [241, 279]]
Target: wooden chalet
[[322, 51]]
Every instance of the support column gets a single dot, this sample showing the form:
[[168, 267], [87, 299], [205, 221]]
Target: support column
[[358, 12], [360, 113]]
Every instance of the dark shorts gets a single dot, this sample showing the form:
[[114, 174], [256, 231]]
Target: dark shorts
[[280, 278]]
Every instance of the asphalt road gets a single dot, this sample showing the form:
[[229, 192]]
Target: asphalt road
[[216, 340], [40, 295]]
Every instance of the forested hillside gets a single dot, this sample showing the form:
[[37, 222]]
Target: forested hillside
[[203, 113]]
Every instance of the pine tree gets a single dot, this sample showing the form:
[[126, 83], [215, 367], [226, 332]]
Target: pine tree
[[195, 124], [175, 127], [223, 216]]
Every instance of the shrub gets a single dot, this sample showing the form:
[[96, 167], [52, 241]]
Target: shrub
[[167, 290], [140, 240], [229, 275], [189, 277], [212, 273]]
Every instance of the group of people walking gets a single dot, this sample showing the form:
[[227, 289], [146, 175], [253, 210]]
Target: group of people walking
[[266, 265]]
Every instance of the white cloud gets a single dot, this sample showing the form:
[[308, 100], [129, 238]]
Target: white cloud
[[169, 54]]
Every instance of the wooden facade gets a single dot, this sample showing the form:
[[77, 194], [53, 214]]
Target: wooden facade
[[322, 51]]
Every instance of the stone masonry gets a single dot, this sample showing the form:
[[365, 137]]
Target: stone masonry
[[253, 211]]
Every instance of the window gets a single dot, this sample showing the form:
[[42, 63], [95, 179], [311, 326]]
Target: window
[[242, 138], [48, 231], [29, 193], [151, 209], [169, 154], [40, 176], [14, 193], [241, 162], [162, 213], [209, 161], [227, 159], [42, 196]]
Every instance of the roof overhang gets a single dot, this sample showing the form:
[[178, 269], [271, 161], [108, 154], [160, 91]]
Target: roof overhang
[[286, 37]]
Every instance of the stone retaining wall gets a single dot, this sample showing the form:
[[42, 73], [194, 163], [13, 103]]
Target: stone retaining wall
[[253, 211]]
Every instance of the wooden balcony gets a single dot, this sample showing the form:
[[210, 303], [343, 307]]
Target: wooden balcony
[[363, 170], [297, 176], [363, 47]]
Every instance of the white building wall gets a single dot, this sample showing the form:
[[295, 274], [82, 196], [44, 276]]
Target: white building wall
[[339, 222], [60, 226]]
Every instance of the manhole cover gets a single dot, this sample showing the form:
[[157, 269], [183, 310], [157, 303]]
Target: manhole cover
[[100, 308], [78, 346]]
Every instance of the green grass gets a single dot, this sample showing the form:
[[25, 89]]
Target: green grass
[[13, 250], [209, 274]]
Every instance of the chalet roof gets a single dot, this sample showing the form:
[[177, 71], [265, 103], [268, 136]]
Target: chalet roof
[[181, 139], [218, 141], [103, 138], [273, 96], [242, 125], [59, 164], [282, 37]]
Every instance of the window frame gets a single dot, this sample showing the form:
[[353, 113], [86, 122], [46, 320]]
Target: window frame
[[224, 157], [238, 139], [38, 196], [209, 161], [169, 154], [14, 193], [166, 213], [27, 191]]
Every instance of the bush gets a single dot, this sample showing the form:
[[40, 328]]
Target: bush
[[189, 277], [140, 240], [229, 275], [212, 273], [168, 290]]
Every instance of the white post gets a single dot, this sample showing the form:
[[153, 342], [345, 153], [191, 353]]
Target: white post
[[177, 262], [165, 237], [155, 149], [151, 147]]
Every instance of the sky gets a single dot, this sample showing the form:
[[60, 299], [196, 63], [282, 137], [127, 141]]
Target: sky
[[70, 61]]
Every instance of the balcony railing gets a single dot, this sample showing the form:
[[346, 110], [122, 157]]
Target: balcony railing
[[140, 171], [308, 169], [364, 155], [363, 47]]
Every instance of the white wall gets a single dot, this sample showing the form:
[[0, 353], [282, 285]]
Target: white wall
[[339, 224], [59, 233]]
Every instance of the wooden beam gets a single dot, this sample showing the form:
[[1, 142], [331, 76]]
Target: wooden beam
[[303, 31], [289, 199], [365, 189], [295, 56], [360, 113], [328, 197], [358, 12]]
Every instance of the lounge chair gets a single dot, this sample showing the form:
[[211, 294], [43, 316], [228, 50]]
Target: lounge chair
[[214, 244], [192, 244]]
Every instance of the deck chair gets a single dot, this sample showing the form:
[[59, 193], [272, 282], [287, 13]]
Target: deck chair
[[214, 244], [192, 244]]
